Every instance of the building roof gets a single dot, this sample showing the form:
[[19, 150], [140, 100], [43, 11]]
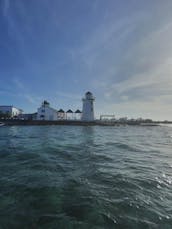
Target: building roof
[[69, 111], [78, 112], [6, 106], [61, 111], [11, 107]]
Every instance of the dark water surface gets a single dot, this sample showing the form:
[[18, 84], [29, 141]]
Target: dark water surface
[[85, 177]]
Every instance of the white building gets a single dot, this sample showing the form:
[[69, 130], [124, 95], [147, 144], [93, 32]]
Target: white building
[[61, 114], [88, 107], [10, 111], [45, 112]]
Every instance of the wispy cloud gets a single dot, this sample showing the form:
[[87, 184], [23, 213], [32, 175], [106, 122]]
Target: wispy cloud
[[23, 91], [100, 45], [146, 66], [18, 83], [152, 69], [33, 99]]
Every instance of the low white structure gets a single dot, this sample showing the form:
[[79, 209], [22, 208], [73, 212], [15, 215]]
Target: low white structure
[[107, 117], [61, 114], [10, 111], [88, 107], [45, 112]]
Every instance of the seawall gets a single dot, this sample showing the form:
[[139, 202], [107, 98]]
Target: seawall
[[16, 122]]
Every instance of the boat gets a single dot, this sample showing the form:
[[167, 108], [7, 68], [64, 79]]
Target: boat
[[2, 124]]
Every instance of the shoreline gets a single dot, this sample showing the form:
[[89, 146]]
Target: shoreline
[[15, 122]]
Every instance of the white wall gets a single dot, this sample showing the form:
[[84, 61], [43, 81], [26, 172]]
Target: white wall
[[13, 111], [88, 108], [48, 113]]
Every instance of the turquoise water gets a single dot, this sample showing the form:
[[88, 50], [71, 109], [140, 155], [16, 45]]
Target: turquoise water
[[85, 177]]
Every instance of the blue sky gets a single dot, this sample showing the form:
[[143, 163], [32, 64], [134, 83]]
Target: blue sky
[[121, 50]]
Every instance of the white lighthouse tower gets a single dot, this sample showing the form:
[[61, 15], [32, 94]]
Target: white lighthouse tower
[[88, 107]]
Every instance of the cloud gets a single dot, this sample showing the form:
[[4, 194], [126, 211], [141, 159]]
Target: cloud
[[145, 70], [18, 83], [23, 91], [100, 45], [155, 80], [35, 100]]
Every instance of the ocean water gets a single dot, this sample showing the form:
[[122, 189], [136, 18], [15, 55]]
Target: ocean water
[[85, 177]]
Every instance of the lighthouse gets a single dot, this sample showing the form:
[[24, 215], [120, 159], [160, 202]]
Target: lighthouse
[[88, 107]]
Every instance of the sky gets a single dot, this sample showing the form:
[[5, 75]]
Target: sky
[[120, 50]]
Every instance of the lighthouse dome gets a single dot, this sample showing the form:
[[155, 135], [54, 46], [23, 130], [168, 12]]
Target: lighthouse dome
[[89, 95]]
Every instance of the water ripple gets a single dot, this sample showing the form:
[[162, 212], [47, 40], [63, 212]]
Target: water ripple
[[85, 177]]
